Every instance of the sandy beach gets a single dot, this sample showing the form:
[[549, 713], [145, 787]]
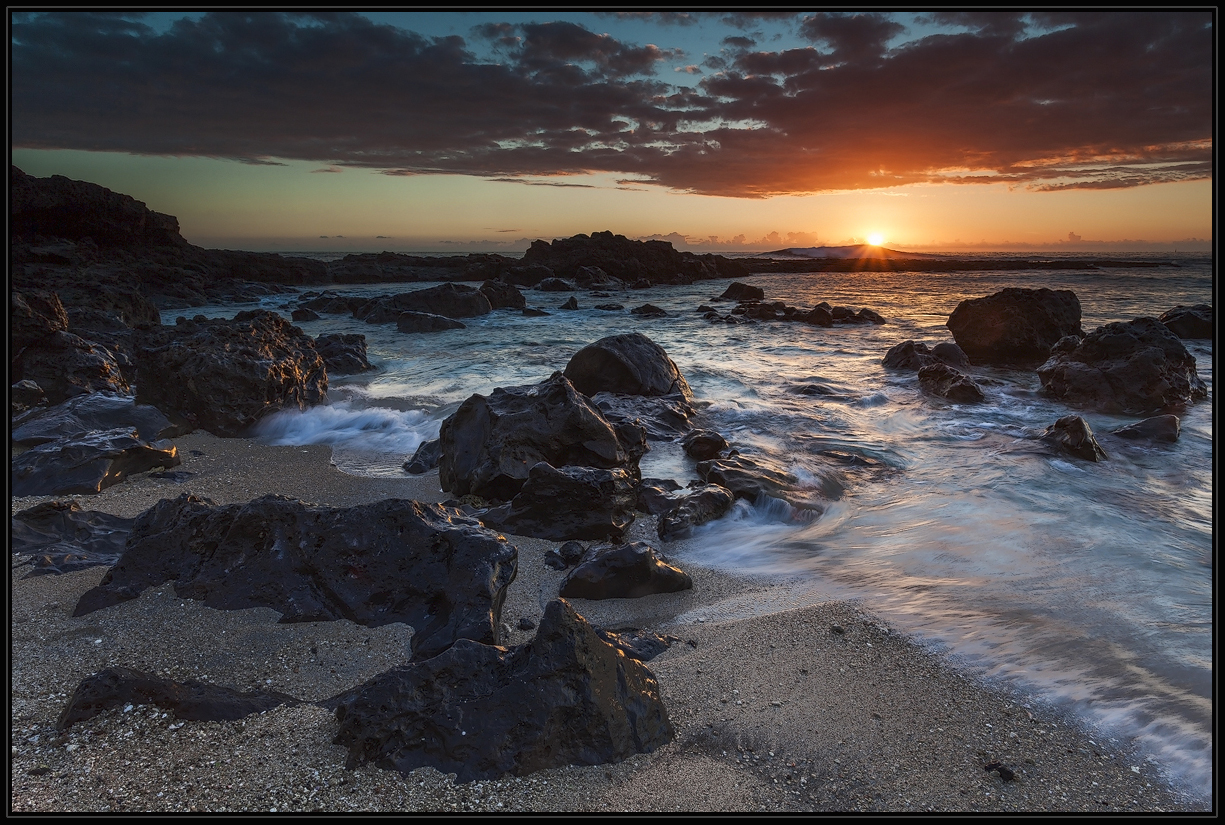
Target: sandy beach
[[811, 708]]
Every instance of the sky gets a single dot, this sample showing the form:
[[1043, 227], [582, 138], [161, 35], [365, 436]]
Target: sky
[[718, 131]]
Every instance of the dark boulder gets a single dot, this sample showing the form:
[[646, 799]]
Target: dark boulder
[[90, 413], [649, 311], [425, 322], [303, 314], [450, 300], [59, 536], [655, 495], [755, 479], [628, 364], [502, 295], [1072, 435], [661, 418], [951, 354], [425, 458], [533, 312], [482, 712], [34, 315], [343, 353], [1015, 326], [592, 277], [88, 463], [65, 365], [819, 317], [703, 444], [743, 292], [491, 443], [703, 504], [528, 276], [642, 645], [116, 687], [561, 503], [1158, 428], [610, 307], [1134, 368], [623, 571], [908, 355], [1189, 322], [392, 561], [331, 303], [871, 316], [25, 395], [571, 303], [224, 376], [555, 285], [938, 378]]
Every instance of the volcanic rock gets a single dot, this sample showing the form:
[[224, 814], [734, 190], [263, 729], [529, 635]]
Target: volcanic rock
[[651, 262], [623, 571], [555, 285], [1158, 428], [628, 364], [34, 315], [938, 378], [502, 295], [704, 504], [90, 413], [450, 300], [661, 418], [1189, 322], [303, 314], [755, 479], [571, 303], [425, 458], [425, 322], [490, 444], [223, 376], [26, 394], [1015, 326], [391, 561], [561, 503], [1133, 368], [65, 365], [484, 712], [743, 292], [343, 353], [642, 645], [1072, 434], [60, 537], [703, 444], [196, 701], [88, 463]]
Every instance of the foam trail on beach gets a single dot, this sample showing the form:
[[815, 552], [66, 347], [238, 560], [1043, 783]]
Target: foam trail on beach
[[371, 441]]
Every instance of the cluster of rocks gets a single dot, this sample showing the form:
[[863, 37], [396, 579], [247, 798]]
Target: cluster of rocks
[[751, 306]]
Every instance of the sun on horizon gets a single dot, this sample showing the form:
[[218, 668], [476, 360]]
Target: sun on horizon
[[876, 239]]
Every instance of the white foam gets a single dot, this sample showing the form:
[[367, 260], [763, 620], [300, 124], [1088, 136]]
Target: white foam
[[395, 433]]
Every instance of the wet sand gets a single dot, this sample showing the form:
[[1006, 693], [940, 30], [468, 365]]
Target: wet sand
[[812, 708]]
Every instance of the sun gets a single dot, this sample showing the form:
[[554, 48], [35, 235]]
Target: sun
[[876, 239]]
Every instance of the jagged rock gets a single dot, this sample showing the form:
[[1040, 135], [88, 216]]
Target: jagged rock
[[196, 701], [483, 712], [528, 276], [555, 285], [391, 561], [661, 418], [1072, 434], [590, 277], [628, 364], [1189, 322], [655, 495], [223, 376], [872, 316], [425, 458], [60, 537], [704, 504], [491, 443], [1158, 428], [820, 316], [908, 355], [1133, 368], [703, 444], [88, 463], [1015, 326], [90, 413], [343, 353], [450, 300], [425, 322], [34, 315], [642, 645], [632, 262], [66, 365], [623, 571], [562, 503], [938, 378], [502, 295], [571, 303], [24, 395], [753, 479], [743, 292], [303, 314]]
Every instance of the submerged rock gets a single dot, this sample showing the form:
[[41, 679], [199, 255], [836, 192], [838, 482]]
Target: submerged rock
[[1158, 428], [392, 561], [703, 444], [704, 504], [1135, 368], [484, 712], [224, 376], [623, 571], [938, 378], [195, 701], [425, 322], [1072, 435], [88, 463], [737, 291], [1015, 326]]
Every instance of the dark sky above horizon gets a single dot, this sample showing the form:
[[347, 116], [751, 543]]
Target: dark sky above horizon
[[820, 127]]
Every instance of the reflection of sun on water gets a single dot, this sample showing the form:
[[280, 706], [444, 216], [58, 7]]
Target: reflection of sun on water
[[876, 239]]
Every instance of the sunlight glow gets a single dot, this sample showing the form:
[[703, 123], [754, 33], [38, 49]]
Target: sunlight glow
[[876, 239]]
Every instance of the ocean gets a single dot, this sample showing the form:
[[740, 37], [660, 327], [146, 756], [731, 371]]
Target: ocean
[[1086, 586]]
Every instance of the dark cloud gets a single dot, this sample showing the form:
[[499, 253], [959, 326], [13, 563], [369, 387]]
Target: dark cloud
[[663, 18], [736, 41], [541, 183], [1063, 101]]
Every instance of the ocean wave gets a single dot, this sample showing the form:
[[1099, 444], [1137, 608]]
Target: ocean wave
[[389, 432]]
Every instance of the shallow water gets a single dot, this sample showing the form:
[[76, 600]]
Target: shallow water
[[1087, 584]]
